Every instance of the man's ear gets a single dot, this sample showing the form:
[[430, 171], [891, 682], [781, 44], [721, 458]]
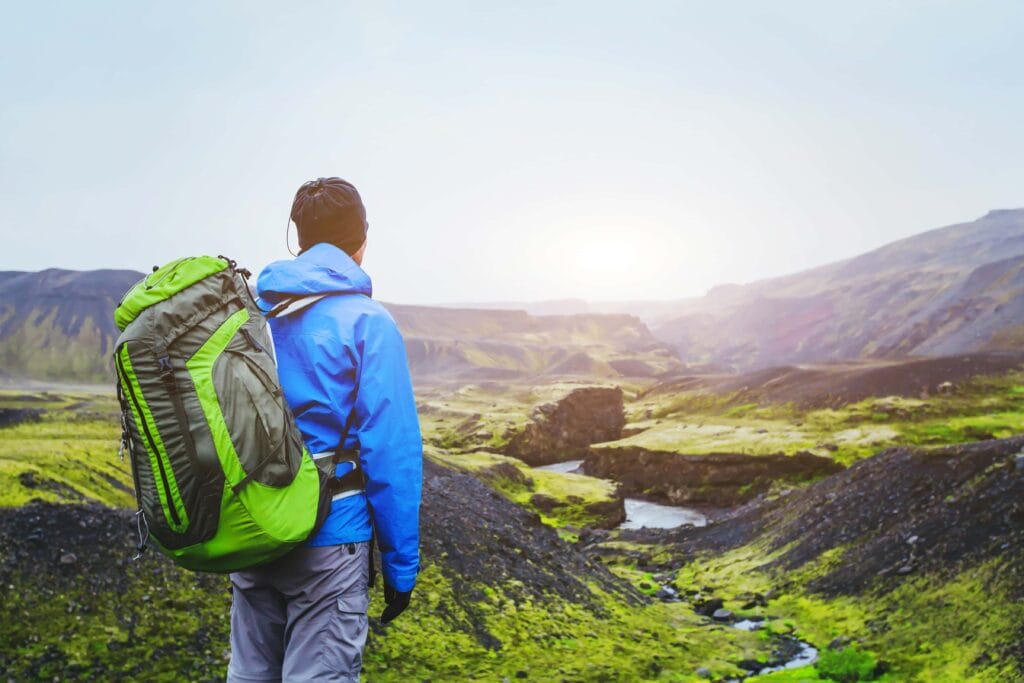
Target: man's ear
[[358, 256]]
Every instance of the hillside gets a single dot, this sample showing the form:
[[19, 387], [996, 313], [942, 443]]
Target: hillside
[[912, 555], [58, 325], [948, 291], [526, 574], [952, 290], [501, 594], [487, 344]]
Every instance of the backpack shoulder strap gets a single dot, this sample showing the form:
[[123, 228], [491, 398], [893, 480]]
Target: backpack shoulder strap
[[294, 305]]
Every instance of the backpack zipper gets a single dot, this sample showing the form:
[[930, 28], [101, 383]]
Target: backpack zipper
[[171, 385], [173, 269], [152, 443]]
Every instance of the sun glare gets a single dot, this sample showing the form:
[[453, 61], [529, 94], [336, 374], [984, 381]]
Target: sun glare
[[596, 260], [604, 257]]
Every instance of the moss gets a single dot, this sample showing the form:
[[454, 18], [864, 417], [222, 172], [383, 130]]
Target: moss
[[550, 641], [929, 628], [166, 624], [576, 500], [157, 624], [847, 665], [69, 455], [697, 422]]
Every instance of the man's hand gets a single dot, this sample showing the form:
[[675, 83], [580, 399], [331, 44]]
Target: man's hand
[[396, 603]]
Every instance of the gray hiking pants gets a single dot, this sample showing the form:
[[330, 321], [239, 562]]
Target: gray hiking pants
[[302, 617]]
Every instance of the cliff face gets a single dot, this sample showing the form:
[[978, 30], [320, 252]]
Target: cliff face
[[563, 430], [717, 479]]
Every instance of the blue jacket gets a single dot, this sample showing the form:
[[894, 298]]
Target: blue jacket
[[322, 352]]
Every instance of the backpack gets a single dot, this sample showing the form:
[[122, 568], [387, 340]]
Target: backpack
[[222, 477]]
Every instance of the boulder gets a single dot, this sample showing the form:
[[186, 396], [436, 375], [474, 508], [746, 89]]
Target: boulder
[[708, 606], [563, 430]]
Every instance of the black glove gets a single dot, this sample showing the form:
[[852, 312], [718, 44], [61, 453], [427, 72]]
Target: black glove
[[396, 603]]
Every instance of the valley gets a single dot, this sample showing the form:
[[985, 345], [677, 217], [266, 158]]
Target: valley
[[808, 478], [870, 563]]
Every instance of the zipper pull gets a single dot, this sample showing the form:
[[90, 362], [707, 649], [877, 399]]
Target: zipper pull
[[252, 341], [124, 436], [140, 522]]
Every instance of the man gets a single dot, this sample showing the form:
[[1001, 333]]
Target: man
[[343, 367]]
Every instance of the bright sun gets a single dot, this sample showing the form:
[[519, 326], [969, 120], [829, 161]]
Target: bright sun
[[597, 260], [609, 258]]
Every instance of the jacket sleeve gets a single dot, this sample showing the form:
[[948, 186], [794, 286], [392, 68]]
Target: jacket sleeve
[[390, 448]]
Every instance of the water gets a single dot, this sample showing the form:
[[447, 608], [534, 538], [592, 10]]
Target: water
[[640, 513], [643, 513], [807, 655], [748, 625], [567, 467]]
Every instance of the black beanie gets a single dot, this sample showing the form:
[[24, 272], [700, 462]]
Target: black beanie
[[330, 210]]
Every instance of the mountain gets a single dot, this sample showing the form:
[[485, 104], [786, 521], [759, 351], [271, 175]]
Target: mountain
[[650, 312], [952, 290], [480, 343], [59, 324]]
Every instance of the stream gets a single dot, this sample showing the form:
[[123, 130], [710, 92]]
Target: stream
[[640, 513], [643, 513]]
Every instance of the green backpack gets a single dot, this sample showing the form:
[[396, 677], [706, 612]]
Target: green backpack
[[222, 478]]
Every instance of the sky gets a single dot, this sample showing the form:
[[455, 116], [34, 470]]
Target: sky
[[508, 151]]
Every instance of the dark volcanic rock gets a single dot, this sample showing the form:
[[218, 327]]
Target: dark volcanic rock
[[611, 512], [13, 416], [81, 556], [961, 504], [719, 479], [544, 503], [708, 606], [563, 430], [484, 538]]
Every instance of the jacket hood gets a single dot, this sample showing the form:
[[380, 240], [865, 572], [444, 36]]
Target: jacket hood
[[321, 269]]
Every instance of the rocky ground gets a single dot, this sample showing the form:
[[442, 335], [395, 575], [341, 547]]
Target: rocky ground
[[910, 558], [75, 605], [903, 511], [913, 554]]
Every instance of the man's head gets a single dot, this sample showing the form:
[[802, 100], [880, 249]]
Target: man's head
[[330, 210]]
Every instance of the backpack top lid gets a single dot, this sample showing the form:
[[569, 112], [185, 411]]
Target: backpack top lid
[[164, 282]]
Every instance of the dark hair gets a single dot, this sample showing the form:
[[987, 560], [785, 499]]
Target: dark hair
[[330, 210]]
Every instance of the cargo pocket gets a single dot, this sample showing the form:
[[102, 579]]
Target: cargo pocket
[[346, 636]]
